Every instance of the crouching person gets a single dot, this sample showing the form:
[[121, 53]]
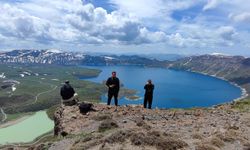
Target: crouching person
[[69, 97]]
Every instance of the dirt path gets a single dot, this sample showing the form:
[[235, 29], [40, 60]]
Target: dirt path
[[4, 115], [25, 117], [48, 91], [36, 98], [54, 87]]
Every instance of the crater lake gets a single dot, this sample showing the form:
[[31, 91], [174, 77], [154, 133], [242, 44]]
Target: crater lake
[[173, 89]]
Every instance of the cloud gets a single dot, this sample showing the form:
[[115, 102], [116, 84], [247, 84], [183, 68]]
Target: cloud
[[27, 21], [151, 8], [2, 38], [179, 40], [241, 17], [153, 37], [15, 22], [77, 23], [148, 8], [227, 32], [197, 36], [153, 13], [116, 27], [211, 4]]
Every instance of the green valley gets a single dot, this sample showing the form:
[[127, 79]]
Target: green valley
[[30, 88]]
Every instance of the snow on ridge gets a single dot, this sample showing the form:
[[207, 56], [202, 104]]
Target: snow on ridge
[[26, 73], [11, 81], [55, 79], [219, 54], [222, 55], [54, 50], [13, 88], [80, 55], [2, 76], [108, 57]]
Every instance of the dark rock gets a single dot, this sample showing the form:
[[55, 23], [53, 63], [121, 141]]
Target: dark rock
[[85, 107]]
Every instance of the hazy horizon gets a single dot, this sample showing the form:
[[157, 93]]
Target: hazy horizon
[[127, 27]]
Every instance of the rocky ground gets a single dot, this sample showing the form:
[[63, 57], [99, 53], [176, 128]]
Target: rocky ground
[[133, 127]]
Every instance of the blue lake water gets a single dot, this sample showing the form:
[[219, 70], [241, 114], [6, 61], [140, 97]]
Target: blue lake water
[[173, 89]]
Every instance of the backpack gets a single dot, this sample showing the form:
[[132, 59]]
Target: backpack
[[85, 107]]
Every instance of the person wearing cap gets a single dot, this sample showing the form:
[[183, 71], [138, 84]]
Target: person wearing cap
[[148, 96], [113, 85], [69, 96]]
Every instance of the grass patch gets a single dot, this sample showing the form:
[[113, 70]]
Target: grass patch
[[152, 138], [197, 136], [242, 105], [100, 117], [204, 147], [217, 142], [107, 125]]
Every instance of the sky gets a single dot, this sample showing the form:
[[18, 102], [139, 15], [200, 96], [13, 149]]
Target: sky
[[127, 26]]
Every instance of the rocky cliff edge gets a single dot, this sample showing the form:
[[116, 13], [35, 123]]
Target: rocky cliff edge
[[133, 127]]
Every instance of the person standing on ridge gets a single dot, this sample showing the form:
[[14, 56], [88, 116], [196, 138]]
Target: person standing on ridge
[[148, 96], [113, 85]]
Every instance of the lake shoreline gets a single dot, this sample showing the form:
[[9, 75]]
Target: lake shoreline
[[133, 98], [42, 122], [15, 121], [244, 92], [29, 144]]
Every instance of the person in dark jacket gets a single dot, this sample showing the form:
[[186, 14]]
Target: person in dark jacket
[[69, 96], [113, 85], [148, 96]]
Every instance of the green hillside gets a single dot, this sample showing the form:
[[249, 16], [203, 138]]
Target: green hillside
[[37, 87]]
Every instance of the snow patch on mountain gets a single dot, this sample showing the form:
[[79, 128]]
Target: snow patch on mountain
[[109, 58], [54, 51], [2, 76]]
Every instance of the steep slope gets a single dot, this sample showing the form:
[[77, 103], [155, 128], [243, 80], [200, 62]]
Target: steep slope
[[235, 69], [228, 67]]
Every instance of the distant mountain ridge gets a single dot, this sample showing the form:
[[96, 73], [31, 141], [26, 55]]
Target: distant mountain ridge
[[71, 58], [162, 57], [40, 57], [233, 68]]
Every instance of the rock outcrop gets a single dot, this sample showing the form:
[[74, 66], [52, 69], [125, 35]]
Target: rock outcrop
[[133, 127]]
